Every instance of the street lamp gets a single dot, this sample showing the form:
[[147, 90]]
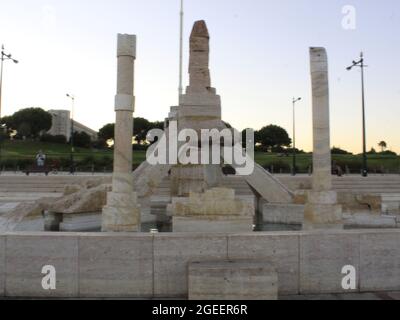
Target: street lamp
[[361, 64], [72, 167], [294, 135], [4, 56]]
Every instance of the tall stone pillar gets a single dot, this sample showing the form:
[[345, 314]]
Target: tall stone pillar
[[322, 210], [122, 213], [199, 108]]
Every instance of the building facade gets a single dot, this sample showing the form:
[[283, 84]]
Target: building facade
[[61, 125]]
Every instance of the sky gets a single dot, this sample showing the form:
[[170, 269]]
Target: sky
[[259, 60]]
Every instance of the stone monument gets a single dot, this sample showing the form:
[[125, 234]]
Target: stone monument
[[199, 108], [200, 203], [216, 210], [122, 213], [322, 210]]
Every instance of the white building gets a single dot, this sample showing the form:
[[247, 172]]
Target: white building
[[61, 125]]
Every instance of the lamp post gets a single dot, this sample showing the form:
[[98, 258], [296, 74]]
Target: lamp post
[[4, 56], [294, 135], [361, 64], [72, 166]]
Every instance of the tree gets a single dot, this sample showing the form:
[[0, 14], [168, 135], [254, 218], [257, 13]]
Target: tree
[[24, 130], [339, 151], [141, 127], [107, 132], [382, 145], [29, 122], [273, 137], [82, 140]]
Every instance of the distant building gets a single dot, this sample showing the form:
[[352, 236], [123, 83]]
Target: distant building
[[61, 125]]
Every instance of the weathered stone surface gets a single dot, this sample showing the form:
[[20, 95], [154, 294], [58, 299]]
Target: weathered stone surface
[[123, 216], [232, 280], [283, 213], [86, 200], [380, 261], [71, 189], [214, 202], [116, 266], [173, 252], [23, 212], [2, 264], [216, 210], [88, 222], [280, 249], [199, 56], [369, 221], [121, 219], [214, 224], [27, 254], [321, 211], [322, 258]]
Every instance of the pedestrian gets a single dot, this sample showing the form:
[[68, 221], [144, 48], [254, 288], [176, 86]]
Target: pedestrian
[[40, 159]]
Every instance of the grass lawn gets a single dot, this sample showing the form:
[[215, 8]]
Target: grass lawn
[[13, 151]]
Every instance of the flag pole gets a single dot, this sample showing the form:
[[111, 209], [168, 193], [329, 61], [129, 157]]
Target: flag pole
[[181, 51]]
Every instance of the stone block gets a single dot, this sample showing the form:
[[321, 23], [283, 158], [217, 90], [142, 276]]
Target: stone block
[[283, 213], [121, 219], [27, 254], [380, 261], [212, 225], [81, 222], [232, 280], [116, 266], [200, 99], [173, 252], [200, 112], [280, 249], [126, 45], [322, 258]]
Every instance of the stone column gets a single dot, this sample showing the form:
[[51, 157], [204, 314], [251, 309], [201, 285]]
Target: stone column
[[321, 210], [122, 214]]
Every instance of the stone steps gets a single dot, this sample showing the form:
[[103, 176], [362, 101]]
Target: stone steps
[[39, 184]]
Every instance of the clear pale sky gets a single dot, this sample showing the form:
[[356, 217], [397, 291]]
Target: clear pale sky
[[259, 60]]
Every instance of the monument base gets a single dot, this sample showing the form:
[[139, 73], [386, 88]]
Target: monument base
[[216, 210], [212, 224], [322, 211], [122, 214]]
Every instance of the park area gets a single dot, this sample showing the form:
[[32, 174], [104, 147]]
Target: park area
[[17, 155]]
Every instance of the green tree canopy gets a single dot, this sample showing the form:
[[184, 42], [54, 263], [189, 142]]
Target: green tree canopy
[[339, 151], [141, 127], [273, 137], [82, 140], [382, 145], [30, 122], [107, 132]]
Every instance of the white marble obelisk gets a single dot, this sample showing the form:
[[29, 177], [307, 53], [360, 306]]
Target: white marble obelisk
[[122, 213], [322, 210]]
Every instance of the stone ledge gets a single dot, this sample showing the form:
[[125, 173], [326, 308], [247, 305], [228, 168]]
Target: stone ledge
[[232, 280]]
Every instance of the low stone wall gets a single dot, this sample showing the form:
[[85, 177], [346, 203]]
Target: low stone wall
[[155, 266]]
